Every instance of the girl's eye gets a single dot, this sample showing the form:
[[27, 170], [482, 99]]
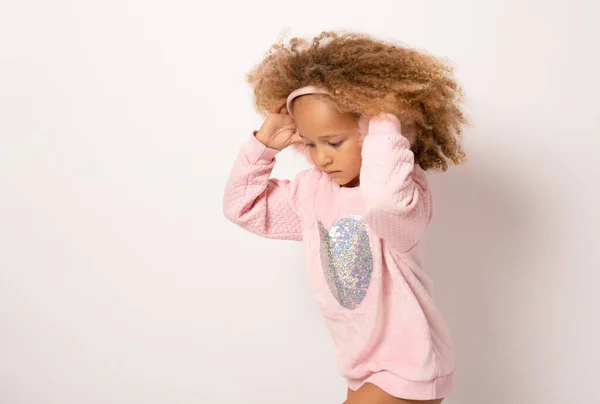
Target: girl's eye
[[310, 145], [336, 144]]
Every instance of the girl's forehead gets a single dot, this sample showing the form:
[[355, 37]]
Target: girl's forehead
[[311, 109]]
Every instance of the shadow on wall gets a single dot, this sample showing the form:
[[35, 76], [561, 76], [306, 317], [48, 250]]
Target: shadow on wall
[[474, 252]]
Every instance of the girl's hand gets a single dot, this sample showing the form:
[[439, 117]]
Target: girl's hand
[[278, 131], [408, 128]]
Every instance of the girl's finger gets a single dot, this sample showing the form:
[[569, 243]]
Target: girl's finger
[[295, 139], [286, 128], [278, 105]]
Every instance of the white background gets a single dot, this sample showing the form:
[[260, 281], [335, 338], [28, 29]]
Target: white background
[[121, 282]]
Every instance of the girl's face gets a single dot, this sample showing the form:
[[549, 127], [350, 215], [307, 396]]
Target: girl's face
[[333, 139]]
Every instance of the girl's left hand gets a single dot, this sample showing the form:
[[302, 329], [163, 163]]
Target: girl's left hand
[[408, 128]]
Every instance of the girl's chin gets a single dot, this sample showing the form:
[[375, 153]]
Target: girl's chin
[[344, 182]]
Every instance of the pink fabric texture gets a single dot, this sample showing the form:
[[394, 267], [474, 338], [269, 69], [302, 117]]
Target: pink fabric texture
[[394, 337]]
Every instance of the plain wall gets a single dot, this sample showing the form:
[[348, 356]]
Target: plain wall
[[121, 282]]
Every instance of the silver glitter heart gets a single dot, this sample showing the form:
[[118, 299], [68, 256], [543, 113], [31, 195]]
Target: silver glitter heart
[[347, 260]]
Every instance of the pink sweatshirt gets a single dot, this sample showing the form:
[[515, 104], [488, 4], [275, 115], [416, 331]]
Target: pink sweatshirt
[[364, 253]]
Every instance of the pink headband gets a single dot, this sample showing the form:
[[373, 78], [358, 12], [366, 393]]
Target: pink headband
[[300, 92]]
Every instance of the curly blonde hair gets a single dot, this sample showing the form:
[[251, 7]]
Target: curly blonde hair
[[367, 76]]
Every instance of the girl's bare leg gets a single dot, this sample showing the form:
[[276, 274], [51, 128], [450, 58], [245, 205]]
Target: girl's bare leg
[[371, 394]]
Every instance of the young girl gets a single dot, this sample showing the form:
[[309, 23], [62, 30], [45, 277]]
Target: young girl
[[371, 116]]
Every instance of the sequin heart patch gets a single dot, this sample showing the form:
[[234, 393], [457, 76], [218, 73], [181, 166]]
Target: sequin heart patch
[[347, 260]]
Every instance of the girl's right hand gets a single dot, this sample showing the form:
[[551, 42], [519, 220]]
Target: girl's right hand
[[278, 131]]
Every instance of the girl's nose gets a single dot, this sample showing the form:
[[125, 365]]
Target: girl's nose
[[323, 159]]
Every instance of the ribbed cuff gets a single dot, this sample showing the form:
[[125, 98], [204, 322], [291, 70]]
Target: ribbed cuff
[[258, 153]]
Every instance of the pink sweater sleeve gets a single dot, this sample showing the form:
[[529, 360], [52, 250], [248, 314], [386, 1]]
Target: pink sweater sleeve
[[259, 204], [394, 188]]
